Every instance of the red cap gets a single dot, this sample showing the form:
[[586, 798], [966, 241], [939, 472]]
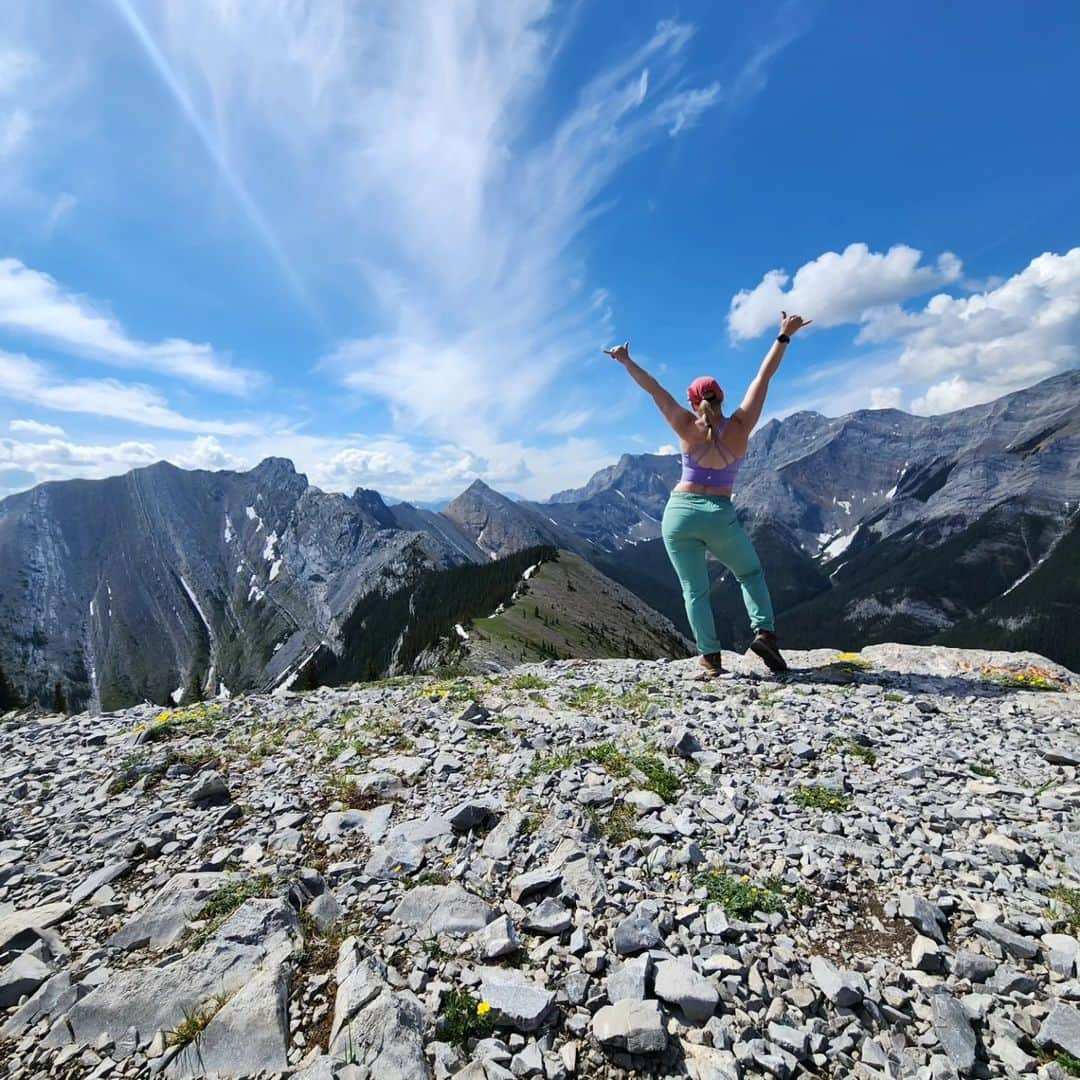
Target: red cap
[[702, 387]]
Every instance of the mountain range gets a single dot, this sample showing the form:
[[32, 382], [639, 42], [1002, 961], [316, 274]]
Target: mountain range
[[876, 526]]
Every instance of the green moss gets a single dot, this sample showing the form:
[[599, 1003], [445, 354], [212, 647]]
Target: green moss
[[618, 826], [820, 798], [983, 770]]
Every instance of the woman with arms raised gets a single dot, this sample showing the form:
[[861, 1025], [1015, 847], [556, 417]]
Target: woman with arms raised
[[699, 516]]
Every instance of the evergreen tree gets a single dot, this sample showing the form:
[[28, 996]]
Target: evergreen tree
[[59, 700]]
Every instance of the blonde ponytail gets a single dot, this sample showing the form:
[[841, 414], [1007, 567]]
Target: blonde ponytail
[[709, 411]]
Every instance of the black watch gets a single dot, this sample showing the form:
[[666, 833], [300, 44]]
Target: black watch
[[783, 339]]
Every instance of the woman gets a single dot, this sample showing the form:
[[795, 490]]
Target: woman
[[699, 516]]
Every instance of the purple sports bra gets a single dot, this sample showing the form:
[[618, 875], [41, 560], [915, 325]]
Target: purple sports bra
[[695, 473]]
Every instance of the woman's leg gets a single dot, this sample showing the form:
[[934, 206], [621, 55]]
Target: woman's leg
[[730, 544], [687, 554]]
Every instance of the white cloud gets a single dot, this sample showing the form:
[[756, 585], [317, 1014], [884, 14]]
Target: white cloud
[[566, 422], [205, 452], [34, 303], [886, 397], [61, 208], [667, 448], [412, 139], [58, 459], [33, 427], [23, 379], [839, 287]]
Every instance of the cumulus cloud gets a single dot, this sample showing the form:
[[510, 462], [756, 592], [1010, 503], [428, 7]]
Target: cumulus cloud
[[205, 452], [839, 287], [26, 380], [60, 459], [33, 427], [35, 304]]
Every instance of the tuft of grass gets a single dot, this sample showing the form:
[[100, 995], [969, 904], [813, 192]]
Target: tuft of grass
[[226, 900], [659, 778], [430, 877], [463, 1017], [810, 797], [344, 790], [530, 825], [848, 663], [1029, 678], [741, 897], [983, 770], [615, 762], [527, 682], [855, 749], [893, 696], [1067, 907], [195, 1022], [619, 825]]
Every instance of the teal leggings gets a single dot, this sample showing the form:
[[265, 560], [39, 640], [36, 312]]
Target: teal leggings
[[695, 524]]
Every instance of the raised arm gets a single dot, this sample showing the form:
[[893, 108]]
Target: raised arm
[[680, 419], [749, 412]]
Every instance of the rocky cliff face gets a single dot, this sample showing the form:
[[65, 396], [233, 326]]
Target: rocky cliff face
[[581, 869], [167, 582]]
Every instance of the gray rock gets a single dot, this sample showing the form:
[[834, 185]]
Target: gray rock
[[21, 978], [535, 881], [629, 981], [550, 916], [635, 934], [208, 789], [407, 766], [515, 1001], [954, 1031], [1062, 951], [395, 859], [53, 998], [634, 1026], [162, 919], [362, 985], [685, 743], [679, 984], [385, 1038], [260, 935], [1023, 948], [324, 910], [249, 1035], [471, 814], [99, 878], [1007, 980], [19, 928], [925, 916], [498, 938], [974, 966], [443, 909], [842, 988], [1061, 1030], [339, 825]]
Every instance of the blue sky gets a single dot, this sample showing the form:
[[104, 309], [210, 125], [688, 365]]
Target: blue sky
[[389, 240]]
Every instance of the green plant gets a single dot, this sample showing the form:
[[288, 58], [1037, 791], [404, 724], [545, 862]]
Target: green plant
[[1070, 1064], [1068, 906], [893, 696], [527, 682], [741, 897], [658, 777], [615, 762], [429, 877], [1030, 678], [463, 1017], [847, 745], [530, 824], [983, 770], [820, 798], [848, 663], [344, 790], [194, 1023], [226, 900], [618, 826]]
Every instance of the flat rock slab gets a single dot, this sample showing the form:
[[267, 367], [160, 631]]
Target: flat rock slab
[[843, 988], [954, 1030], [386, 1038], [20, 979], [341, 824], [260, 935], [515, 1000], [18, 925], [1061, 1030], [99, 878], [443, 909], [163, 918], [250, 1034]]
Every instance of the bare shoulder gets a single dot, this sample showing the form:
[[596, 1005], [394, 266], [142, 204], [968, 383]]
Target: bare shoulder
[[737, 432]]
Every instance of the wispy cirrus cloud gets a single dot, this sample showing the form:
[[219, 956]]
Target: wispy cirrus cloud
[[420, 139], [31, 382], [35, 304]]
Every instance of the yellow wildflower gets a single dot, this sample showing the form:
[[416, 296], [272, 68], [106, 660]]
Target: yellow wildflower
[[482, 1008]]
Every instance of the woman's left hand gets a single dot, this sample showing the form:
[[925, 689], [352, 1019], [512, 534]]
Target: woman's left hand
[[620, 352], [791, 324]]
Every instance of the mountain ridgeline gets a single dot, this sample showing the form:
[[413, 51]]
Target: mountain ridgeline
[[170, 585]]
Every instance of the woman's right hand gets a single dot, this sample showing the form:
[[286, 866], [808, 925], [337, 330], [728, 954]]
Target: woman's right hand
[[791, 324], [620, 352]]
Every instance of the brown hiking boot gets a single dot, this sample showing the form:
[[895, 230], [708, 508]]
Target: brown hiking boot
[[711, 663], [764, 645]]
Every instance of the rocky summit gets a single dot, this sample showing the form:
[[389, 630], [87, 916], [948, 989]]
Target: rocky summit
[[593, 869]]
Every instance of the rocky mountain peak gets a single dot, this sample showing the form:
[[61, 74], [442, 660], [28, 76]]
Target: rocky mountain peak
[[604, 869]]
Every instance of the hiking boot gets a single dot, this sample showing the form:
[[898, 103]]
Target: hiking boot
[[711, 663], [764, 645]]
